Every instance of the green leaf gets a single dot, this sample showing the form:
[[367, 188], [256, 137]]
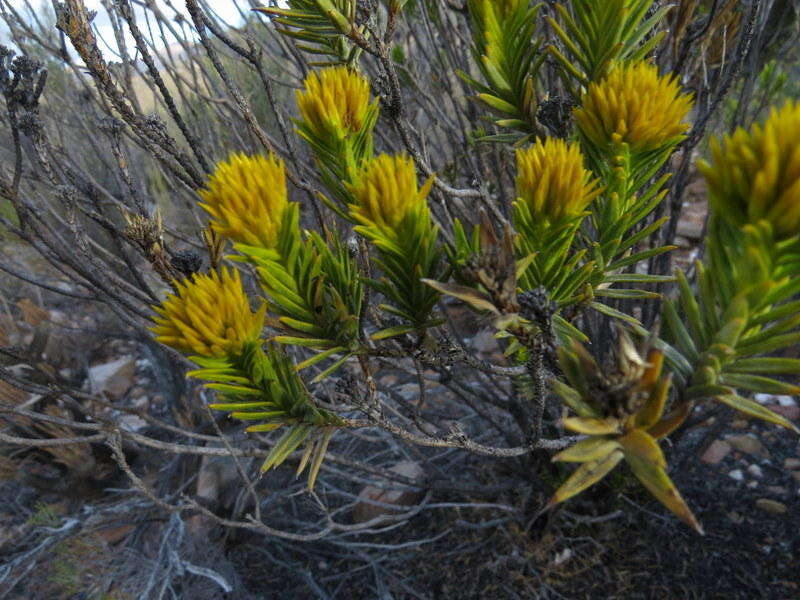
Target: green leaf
[[640, 444], [287, 444], [235, 390], [591, 449], [238, 405], [497, 104], [754, 409], [319, 357], [765, 365], [255, 416], [572, 398], [625, 294], [331, 369], [613, 312], [769, 345], [469, 295], [392, 332], [593, 425], [756, 383]]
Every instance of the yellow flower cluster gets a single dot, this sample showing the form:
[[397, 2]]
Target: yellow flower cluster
[[755, 174], [246, 199], [335, 102], [209, 316], [633, 104], [552, 180], [386, 192]]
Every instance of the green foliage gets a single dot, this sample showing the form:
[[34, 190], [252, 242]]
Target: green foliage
[[405, 259], [565, 263], [596, 35], [320, 27], [263, 385], [555, 265], [313, 286], [743, 310], [508, 59]]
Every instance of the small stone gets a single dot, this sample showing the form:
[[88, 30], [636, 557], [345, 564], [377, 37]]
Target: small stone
[[484, 341], [777, 490], [132, 423], [764, 398], [771, 506], [718, 450], [739, 424], [769, 399], [791, 464], [736, 517], [408, 391], [114, 378], [388, 380], [398, 499], [796, 476], [748, 444], [752, 484], [736, 475], [690, 229], [755, 471]]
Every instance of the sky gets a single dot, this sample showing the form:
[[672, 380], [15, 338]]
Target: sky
[[229, 11]]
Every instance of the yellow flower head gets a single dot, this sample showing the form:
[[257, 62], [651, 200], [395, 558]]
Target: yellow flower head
[[246, 199], [208, 316], [386, 192], [335, 102], [633, 104], [552, 181], [755, 174]]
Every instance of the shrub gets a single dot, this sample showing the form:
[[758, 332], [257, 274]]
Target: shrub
[[553, 226]]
